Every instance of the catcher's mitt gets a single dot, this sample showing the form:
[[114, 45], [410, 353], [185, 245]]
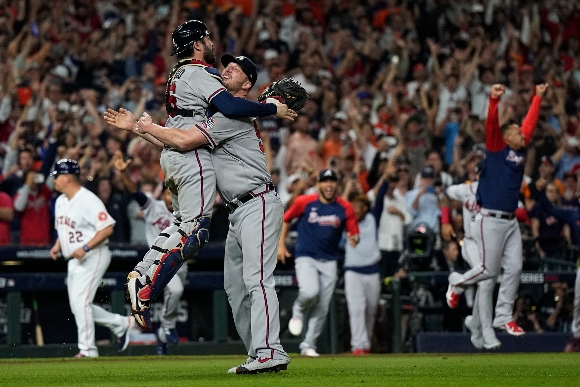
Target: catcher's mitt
[[287, 91]]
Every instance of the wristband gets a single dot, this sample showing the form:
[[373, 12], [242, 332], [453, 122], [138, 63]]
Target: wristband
[[86, 248], [445, 218]]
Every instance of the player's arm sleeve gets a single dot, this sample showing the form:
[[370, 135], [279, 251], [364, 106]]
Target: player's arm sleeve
[[141, 198], [493, 139], [377, 209], [531, 119], [351, 223], [235, 107], [569, 216], [98, 216], [296, 209], [454, 192], [21, 198], [217, 129]]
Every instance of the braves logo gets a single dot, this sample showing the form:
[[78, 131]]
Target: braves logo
[[324, 220], [513, 157]]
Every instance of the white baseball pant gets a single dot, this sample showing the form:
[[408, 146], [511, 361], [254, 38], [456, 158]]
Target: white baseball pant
[[83, 279], [362, 298], [316, 282]]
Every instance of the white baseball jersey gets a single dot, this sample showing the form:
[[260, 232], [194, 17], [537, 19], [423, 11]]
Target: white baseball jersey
[[157, 218], [79, 219], [465, 193]]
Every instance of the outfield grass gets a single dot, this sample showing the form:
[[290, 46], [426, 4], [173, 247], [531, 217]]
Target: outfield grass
[[549, 369]]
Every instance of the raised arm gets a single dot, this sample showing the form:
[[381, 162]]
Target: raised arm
[[531, 119], [173, 137], [493, 138]]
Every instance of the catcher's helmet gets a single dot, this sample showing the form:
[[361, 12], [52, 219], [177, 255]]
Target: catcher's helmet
[[187, 33], [66, 166]]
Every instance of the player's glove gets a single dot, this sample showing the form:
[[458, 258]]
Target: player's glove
[[287, 91]]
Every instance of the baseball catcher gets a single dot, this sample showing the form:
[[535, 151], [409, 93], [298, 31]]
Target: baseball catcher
[[288, 92]]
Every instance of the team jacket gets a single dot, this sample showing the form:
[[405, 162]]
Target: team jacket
[[503, 169], [320, 226]]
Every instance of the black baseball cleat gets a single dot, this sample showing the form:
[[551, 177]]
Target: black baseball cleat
[[263, 364]]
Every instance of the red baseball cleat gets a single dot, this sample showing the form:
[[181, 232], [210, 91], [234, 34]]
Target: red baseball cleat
[[452, 297], [512, 328]]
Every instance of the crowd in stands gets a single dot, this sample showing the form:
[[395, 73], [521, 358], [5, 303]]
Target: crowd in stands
[[387, 79]]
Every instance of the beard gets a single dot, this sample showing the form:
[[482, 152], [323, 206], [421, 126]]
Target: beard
[[208, 54]]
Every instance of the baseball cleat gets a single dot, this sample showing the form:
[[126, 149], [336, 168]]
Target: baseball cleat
[[248, 361], [139, 307], [79, 356], [512, 328], [452, 297], [295, 326], [161, 348], [360, 352], [263, 364], [476, 335], [573, 345], [310, 352], [168, 335], [491, 343], [123, 340]]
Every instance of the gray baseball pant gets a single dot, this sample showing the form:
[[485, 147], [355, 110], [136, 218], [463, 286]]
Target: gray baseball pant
[[362, 298], [316, 282], [500, 243], [249, 263]]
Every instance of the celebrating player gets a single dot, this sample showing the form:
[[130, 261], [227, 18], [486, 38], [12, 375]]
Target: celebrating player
[[83, 226], [159, 223], [500, 241], [242, 179], [322, 218], [193, 86], [572, 217], [480, 321]]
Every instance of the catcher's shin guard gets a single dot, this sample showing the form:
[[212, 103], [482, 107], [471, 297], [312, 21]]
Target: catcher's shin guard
[[170, 262]]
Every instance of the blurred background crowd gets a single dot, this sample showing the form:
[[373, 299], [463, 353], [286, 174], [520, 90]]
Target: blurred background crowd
[[400, 80]]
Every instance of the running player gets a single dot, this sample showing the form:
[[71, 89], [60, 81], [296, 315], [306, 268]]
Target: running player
[[322, 218], [159, 223], [500, 240], [193, 86], [83, 226]]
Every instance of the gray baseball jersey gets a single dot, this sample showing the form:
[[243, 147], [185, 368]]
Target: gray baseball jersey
[[191, 174], [465, 193], [157, 218], [237, 154], [252, 241]]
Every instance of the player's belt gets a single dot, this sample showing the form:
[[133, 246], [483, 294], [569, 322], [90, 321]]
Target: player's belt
[[500, 215], [242, 199]]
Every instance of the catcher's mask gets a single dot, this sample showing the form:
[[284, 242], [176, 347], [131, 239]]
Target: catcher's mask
[[248, 67]]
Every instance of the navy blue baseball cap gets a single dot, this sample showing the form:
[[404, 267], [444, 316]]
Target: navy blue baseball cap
[[66, 167], [327, 174], [428, 173], [248, 67]]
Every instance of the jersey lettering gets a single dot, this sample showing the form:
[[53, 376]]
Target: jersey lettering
[[72, 235], [324, 220], [162, 223], [512, 156], [65, 220]]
